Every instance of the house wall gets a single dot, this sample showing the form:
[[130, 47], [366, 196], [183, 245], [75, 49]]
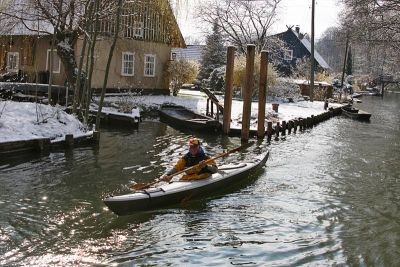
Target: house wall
[[32, 57], [118, 82]]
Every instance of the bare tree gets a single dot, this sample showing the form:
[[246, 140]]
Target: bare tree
[[375, 27], [242, 21]]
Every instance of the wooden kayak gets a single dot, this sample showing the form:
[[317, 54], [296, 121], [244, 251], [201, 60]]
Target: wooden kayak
[[182, 118], [182, 191], [356, 113]]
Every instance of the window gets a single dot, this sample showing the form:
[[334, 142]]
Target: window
[[56, 61], [288, 55], [12, 61], [127, 64], [149, 65], [138, 29]]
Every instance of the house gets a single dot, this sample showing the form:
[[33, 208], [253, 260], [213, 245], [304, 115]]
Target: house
[[297, 47], [148, 32], [190, 52]]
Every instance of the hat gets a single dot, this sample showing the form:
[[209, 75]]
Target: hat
[[194, 141]]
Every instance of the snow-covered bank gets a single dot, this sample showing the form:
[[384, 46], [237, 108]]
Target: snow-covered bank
[[197, 102], [25, 121]]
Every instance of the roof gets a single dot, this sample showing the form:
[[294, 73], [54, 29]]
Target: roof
[[321, 61], [191, 52]]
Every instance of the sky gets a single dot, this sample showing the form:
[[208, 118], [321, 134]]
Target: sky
[[291, 12]]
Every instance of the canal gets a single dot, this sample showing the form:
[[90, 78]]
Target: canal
[[327, 196]]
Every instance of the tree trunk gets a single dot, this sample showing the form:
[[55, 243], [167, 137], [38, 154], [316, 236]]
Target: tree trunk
[[103, 89]]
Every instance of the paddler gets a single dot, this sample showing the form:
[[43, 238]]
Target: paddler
[[195, 156]]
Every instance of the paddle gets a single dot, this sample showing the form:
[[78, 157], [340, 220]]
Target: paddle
[[141, 186]]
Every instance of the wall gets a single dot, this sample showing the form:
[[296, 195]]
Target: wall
[[116, 81]]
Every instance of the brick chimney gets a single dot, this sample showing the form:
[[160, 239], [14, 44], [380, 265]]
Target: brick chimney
[[297, 29]]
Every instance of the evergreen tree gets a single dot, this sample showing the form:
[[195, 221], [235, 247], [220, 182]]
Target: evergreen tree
[[213, 53], [349, 63]]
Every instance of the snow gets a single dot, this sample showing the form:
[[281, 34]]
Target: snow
[[25, 121]]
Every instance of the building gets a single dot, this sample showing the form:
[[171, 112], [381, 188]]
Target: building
[[190, 52], [297, 47], [148, 32]]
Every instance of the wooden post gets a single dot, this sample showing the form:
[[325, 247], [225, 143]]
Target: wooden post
[[262, 94], [269, 130], [207, 113], [277, 130], [228, 89], [283, 129], [69, 140], [212, 108], [295, 124], [96, 136], [248, 88], [290, 126]]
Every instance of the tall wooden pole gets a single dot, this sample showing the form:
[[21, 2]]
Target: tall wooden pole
[[344, 68], [248, 88], [262, 92], [312, 52], [230, 60]]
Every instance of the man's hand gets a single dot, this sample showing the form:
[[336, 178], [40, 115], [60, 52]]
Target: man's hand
[[202, 164], [165, 178]]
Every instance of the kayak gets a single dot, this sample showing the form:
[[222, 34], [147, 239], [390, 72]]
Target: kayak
[[182, 191]]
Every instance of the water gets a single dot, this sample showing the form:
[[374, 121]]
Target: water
[[328, 196]]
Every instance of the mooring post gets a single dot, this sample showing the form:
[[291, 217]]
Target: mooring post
[[277, 130], [96, 136], [248, 88], [283, 129], [69, 140], [262, 91], [230, 60], [269, 130], [290, 126]]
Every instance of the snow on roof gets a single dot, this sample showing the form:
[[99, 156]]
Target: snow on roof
[[191, 52], [300, 81], [307, 45]]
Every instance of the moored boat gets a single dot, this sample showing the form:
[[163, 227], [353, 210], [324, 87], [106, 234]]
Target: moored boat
[[182, 191], [356, 113], [182, 118]]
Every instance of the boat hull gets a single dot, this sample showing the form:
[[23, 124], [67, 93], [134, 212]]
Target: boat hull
[[182, 191], [356, 114], [185, 119]]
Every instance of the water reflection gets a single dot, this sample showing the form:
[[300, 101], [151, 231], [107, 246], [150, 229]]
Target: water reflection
[[329, 196]]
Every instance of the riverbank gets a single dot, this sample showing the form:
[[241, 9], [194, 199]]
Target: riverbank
[[21, 121]]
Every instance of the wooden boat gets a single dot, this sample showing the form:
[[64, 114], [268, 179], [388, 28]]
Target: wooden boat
[[356, 113], [181, 191], [181, 117]]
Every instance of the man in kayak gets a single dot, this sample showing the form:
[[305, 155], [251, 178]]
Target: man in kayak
[[195, 156]]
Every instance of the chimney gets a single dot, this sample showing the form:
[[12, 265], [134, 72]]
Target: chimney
[[297, 29]]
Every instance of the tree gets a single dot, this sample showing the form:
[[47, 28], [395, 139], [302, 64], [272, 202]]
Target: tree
[[181, 71], [213, 55], [243, 22], [349, 62], [239, 74], [375, 27]]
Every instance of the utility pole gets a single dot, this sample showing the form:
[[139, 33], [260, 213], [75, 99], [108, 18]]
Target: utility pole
[[312, 52], [344, 67]]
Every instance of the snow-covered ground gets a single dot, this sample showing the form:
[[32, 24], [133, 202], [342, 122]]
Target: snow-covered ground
[[197, 102], [25, 121]]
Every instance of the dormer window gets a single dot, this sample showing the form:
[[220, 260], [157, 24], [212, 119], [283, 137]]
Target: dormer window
[[288, 55]]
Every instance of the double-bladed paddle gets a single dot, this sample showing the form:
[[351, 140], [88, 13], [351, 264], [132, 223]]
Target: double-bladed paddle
[[141, 186]]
